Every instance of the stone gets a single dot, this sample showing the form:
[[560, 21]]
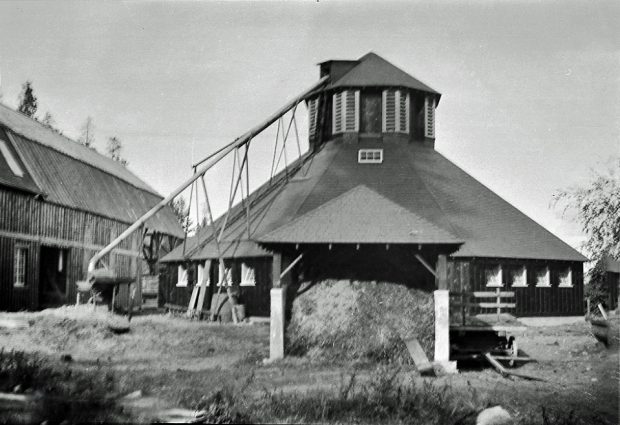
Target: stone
[[495, 415]]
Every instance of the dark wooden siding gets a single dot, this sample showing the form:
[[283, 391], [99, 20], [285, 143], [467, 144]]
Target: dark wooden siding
[[530, 300], [34, 223], [255, 298]]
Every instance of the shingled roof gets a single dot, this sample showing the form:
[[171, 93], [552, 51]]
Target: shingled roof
[[373, 70], [440, 198], [69, 174], [360, 215]]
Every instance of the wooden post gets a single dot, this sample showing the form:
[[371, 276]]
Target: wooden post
[[498, 300], [203, 286], [441, 272]]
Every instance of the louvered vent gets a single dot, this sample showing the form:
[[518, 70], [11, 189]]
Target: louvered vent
[[403, 112], [429, 117], [389, 111], [346, 111], [350, 111], [337, 113], [395, 111], [313, 114]]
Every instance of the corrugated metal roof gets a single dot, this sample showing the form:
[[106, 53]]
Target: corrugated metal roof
[[373, 70], [412, 176], [35, 131], [79, 185], [360, 215]]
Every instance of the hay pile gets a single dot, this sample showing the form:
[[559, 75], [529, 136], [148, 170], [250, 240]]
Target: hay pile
[[360, 320]]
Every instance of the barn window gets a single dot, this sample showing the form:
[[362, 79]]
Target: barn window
[[345, 111], [565, 278], [313, 117], [395, 117], [370, 156], [542, 278], [202, 276], [518, 277], [248, 276], [181, 276], [227, 277], [10, 160], [21, 259], [493, 276], [429, 117]]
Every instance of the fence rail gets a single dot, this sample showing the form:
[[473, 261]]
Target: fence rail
[[479, 299]]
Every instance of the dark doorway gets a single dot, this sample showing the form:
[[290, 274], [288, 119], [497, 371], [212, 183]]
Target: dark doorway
[[52, 277], [371, 113]]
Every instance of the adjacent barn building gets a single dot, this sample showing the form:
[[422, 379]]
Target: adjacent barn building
[[60, 202], [373, 200]]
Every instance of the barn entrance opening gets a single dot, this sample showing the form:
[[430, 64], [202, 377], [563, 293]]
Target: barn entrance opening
[[52, 277]]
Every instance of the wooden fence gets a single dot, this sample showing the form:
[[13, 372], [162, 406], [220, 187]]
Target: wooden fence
[[494, 300]]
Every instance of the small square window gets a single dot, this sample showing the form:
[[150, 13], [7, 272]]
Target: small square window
[[518, 277], [248, 277], [493, 276], [202, 276], [227, 277], [181, 277], [565, 278], [370, 156], [542, 278]]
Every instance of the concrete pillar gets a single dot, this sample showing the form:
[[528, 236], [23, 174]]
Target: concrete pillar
[[442, 331], [276, 334], [442, 325]]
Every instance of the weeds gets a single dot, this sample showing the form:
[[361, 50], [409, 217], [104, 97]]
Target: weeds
[[59, 394], [383, 397], [225, 405]]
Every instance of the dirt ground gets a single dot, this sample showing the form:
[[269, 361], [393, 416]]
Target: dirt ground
[[174, 361]]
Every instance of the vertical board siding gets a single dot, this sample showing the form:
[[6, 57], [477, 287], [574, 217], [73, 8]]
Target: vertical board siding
[[530, 300], [255, 298], [69, 227]]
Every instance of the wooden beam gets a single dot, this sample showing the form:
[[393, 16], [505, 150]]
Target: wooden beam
[[442, 272], [204, 166], [206, 272], [276, 270], [425, 264], [290, 266]]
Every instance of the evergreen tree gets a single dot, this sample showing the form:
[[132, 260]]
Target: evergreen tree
[[87, 135], [114, 148], [27, 100]]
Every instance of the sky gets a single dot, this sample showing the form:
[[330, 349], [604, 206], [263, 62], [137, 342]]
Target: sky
[[530, 89]]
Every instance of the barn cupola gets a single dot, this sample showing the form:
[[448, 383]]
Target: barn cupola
[[370, 98]]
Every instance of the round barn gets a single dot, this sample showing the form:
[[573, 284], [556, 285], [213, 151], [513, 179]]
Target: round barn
[[372, 200]]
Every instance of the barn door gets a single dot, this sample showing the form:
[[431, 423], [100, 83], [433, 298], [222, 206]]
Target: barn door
[[53, 277]]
